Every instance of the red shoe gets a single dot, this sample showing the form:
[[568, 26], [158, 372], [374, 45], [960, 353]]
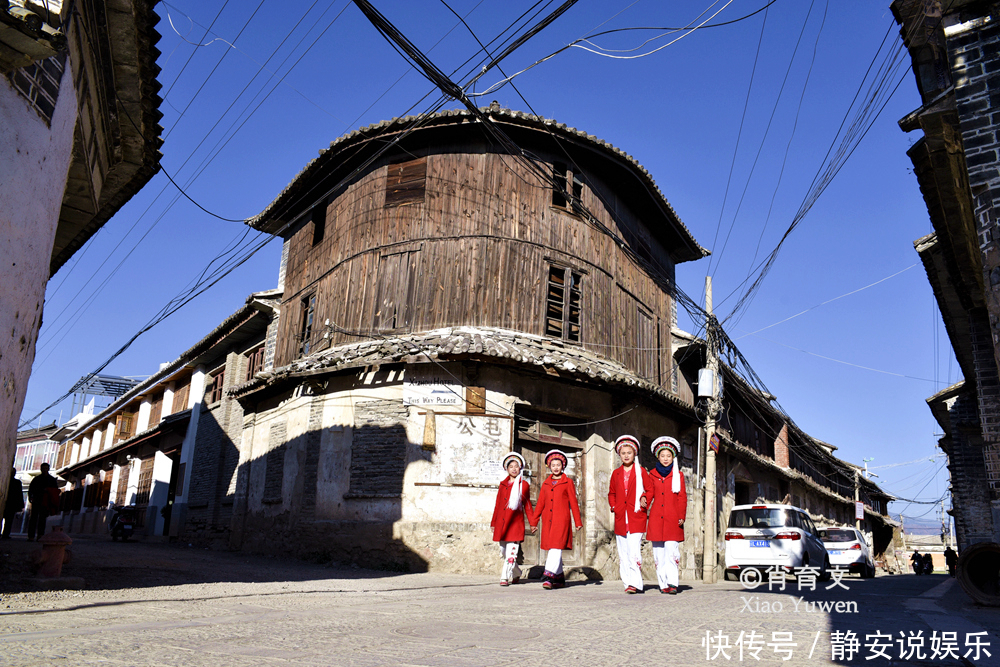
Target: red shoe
[[505, 583], [547, 585], [670, 590], [631, 590], [516, 580]]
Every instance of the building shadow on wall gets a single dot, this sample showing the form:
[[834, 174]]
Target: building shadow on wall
[[330, 495], [320, 505]]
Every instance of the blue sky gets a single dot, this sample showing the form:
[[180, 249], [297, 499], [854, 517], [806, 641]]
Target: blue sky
[[736, 167]]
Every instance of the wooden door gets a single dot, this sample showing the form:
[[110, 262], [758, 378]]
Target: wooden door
[[536, 472]]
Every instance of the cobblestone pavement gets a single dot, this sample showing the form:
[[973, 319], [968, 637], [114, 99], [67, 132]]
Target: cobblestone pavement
[[148, 604]]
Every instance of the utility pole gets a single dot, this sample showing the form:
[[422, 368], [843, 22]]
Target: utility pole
[[944, 526], [712, 364], [902, 532], [857, 491], [857, 494]]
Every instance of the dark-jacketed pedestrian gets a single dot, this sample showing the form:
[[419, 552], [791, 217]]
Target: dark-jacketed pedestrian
[[13, 504], [43, 495]]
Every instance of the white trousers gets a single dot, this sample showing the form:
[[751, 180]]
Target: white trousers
[[667, 557], [510, 570], [630, 559], [553, 561]]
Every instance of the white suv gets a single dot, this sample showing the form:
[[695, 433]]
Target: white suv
[[763, 536], [848, 549]]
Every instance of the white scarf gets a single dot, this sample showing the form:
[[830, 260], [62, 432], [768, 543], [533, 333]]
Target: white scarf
[[639, 488], [514, 501], [675, 482]]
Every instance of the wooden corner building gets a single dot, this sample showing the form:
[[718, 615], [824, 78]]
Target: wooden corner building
[[449, 296]]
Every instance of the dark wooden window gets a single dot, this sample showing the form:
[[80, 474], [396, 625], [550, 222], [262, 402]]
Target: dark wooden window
[[181, 395], [562, 304], [145, 482], [156, 410], [308, 307], [121, 498], [567, 187], [319, 222], [104, 491], [255, 363], [216, 386], [124, 426], [91, 493], [405, 183]]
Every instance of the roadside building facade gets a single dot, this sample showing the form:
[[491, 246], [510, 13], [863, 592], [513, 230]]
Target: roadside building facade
[[954, 50], [164, 446], [79, 135], [447, 300]]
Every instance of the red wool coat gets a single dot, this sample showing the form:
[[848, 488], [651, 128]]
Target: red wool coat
[[508, 524], [666, 509], [555, 502], [622, 500]]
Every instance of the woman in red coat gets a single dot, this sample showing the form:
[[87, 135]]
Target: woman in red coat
[[628, 495], [508, 517], [556, 504], [667, 509]]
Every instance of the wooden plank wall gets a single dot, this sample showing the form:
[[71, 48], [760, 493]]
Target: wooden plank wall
[[477, 252]]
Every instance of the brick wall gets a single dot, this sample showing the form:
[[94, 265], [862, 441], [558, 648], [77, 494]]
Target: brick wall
[[975, 61], [973, 512], [378, 449], [216, 456], [781, 447], [310, 471]]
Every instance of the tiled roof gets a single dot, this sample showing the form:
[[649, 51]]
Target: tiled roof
[[464, 116], [454, 342]]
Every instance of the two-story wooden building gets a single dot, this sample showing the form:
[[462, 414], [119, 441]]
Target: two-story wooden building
[[447, 299]]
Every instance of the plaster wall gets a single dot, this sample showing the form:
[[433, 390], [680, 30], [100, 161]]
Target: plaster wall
[[34, 162], [429, 522]]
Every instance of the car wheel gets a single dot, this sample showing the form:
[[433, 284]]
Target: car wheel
[[728, 576], [869, 572]]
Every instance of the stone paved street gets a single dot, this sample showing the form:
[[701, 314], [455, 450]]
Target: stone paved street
[[167, 605]]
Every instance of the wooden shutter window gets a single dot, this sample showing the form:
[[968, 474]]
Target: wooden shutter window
[[216, 387], [255, 363], [156, 410], [306, 327], [124, 425], [181, 396], [145, 482], [563, 304], [405, 183]]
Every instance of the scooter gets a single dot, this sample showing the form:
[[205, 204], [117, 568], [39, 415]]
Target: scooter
[[122, 523]]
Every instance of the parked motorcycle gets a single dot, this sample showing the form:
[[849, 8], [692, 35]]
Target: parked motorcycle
[[123, 522]]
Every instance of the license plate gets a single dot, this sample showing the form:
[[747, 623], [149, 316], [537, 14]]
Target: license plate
[[760, 543], [836, 553], [127, 526]]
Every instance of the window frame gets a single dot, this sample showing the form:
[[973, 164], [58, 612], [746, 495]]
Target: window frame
[[307, 322], [565, 309]]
